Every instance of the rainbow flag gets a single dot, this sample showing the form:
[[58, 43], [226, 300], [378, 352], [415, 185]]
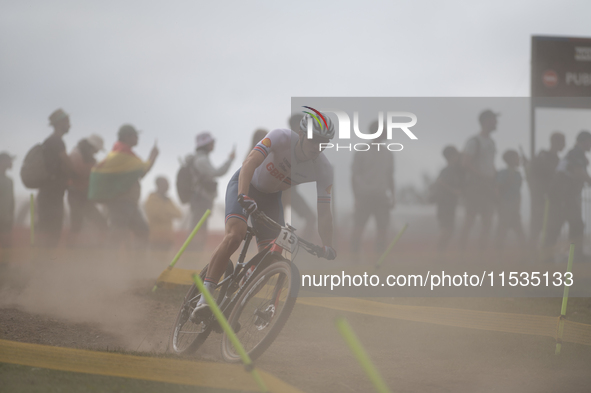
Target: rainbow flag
[[116, 173]]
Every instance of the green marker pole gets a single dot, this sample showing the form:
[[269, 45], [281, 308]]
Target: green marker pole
[[186, 244], [569, 267], [355, 346], [229, 332], [385, 254], [32, 213]]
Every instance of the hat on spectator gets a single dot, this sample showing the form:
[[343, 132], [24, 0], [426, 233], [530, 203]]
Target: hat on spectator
[[127, 130], [96, 141], [57, 115], [203, 139]]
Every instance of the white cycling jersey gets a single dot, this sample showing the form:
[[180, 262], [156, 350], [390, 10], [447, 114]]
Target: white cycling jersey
[[280, 169]]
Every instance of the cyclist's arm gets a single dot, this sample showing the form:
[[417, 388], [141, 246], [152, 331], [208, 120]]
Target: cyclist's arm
[[276, 139], [325, 223], [251, 163]]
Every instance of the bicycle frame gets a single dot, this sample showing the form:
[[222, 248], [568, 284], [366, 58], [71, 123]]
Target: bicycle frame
[[232, 282]]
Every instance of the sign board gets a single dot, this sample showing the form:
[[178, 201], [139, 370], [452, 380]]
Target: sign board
[[561, 67], [560, 75]]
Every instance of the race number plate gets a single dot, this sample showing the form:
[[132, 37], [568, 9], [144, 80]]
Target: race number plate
[[287, 240]]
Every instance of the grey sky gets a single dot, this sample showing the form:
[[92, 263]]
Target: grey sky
[[176, 68]]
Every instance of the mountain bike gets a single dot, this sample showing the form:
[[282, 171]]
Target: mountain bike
[[256, 297]]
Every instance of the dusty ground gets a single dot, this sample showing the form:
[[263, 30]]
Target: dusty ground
[[96, 302]]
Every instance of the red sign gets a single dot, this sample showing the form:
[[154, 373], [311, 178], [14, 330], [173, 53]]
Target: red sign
[[550, 78]]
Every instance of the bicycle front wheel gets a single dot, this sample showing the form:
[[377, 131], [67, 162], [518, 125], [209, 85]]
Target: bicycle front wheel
[[187, 336], [262, 309]]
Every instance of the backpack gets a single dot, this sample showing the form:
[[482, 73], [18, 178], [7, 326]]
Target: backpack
[[34, 172], [184, 180]]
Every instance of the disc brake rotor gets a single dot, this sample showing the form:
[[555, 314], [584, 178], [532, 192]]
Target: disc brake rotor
[[263, 318]]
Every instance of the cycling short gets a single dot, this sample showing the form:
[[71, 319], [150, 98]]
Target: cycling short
[[270, 204]]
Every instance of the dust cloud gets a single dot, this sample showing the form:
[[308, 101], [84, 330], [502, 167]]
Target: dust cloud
[[107, 290]]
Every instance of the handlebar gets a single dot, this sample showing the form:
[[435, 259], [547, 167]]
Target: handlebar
[[306, 245]]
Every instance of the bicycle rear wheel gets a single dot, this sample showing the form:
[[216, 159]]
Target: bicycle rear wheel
[[262, 309], [187, 336]]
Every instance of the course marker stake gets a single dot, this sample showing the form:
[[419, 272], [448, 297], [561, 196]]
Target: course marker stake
[[385, 254], [569, 267], [362, 357], [248, 365], [183, 248]]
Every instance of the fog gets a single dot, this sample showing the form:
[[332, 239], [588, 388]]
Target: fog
[[176, 69]]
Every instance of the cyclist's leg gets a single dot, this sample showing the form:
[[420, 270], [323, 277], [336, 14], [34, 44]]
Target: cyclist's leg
[[234, 232], [271, 205]]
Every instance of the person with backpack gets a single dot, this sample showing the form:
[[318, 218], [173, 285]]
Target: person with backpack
[[58, 167], [204, 185], [480, 189]]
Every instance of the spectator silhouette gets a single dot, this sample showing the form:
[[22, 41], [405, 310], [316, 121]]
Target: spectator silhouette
[[479, 162], [447, 191], [372, 180], [540, 172], [6, 201], [565, 195], [115, 181], [50, 198], [509, 200], [204, 184], [81, 209], [161, 211]]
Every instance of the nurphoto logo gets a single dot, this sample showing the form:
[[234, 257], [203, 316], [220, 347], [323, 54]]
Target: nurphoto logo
[[344, 129]]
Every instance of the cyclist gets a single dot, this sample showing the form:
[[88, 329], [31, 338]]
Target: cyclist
[[282, 158]]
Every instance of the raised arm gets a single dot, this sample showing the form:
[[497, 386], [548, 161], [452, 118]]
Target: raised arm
[[152, 159]]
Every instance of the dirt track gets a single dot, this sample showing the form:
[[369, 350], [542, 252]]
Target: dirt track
[[76, 305]]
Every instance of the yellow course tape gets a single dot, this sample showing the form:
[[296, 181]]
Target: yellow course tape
[[177, 276], [183, 372], [538, 325]]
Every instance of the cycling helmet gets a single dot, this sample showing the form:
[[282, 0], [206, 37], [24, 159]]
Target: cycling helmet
[[322, 126]]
